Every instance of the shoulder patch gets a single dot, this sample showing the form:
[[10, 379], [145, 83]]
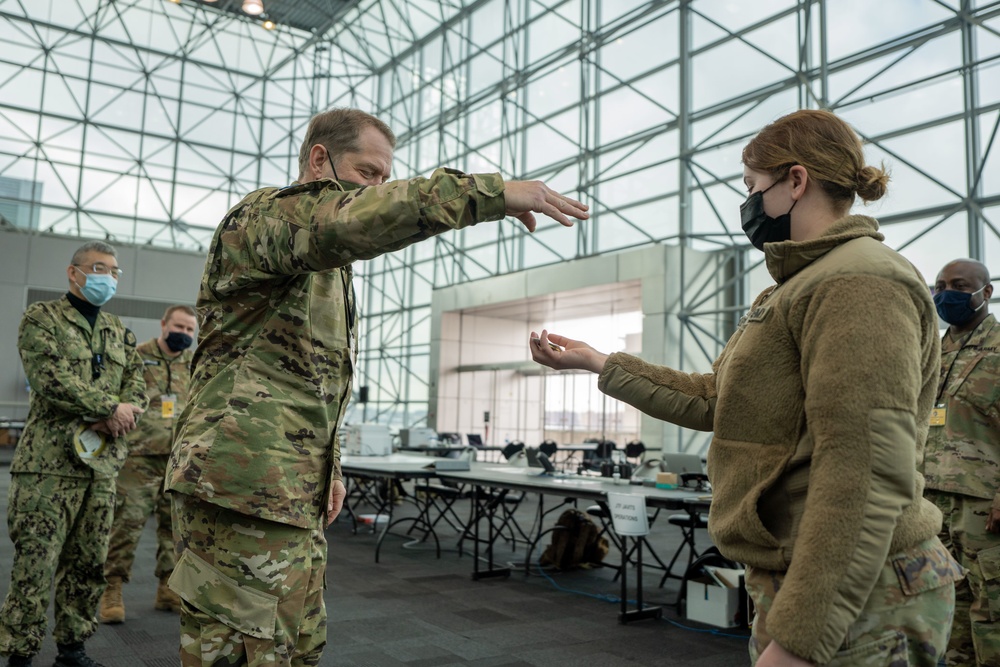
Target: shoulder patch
[[129, 338]]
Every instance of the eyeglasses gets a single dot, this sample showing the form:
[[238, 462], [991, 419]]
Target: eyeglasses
[[103, 269]]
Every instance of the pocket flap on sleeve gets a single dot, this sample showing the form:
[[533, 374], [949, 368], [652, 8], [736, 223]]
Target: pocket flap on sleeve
[[989, 563], [926, 567], [245, 609]]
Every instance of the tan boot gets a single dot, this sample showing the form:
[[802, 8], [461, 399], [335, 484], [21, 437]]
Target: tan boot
[[166, 599], [112, 609]]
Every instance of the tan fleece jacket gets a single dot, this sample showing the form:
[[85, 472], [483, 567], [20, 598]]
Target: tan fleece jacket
[[820, 404]]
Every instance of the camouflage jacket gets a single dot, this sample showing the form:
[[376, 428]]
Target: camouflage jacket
[[163, 376], [272, 372], [963, 454], [58, 349]]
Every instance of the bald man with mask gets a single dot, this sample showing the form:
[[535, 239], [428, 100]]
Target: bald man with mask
[[962, 458]]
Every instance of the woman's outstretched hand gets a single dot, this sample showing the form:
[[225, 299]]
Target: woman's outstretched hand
[[561, 353]]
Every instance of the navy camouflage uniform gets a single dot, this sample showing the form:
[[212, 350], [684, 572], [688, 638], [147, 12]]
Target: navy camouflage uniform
[[60, 508]]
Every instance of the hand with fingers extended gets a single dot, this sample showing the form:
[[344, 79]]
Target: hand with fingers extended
[[522, 198], [563, 353]]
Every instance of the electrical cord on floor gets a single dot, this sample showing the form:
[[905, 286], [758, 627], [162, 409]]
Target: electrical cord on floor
[[707, 631], [615, 599]]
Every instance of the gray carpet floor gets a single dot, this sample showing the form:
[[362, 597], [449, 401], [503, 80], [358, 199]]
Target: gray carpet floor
[[412, 609]]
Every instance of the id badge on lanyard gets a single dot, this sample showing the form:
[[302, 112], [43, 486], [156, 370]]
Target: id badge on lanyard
[[167, 404], [939, 414]]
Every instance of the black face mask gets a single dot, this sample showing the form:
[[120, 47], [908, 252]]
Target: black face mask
[[761, 228], [955, 307], [348, 185], [178, 342]]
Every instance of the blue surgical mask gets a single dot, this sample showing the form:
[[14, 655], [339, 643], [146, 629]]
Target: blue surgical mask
[[955, 307], [98, 288]]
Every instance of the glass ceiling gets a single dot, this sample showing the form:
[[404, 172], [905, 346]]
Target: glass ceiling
[[144, 120]]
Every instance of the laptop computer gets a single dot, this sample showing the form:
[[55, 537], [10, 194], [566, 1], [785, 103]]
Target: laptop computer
[[679, 463], [475, 440]]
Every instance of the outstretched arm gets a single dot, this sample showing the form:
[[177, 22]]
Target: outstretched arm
[[568, 354], [522, 198], [317, 226], [687, 399]]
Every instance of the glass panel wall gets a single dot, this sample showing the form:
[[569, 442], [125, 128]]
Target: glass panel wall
[[143, 121]]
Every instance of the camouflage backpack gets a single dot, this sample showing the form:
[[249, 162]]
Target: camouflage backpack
[[576, 542]]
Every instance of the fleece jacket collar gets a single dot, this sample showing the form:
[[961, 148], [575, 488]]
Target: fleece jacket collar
[[786, 258]]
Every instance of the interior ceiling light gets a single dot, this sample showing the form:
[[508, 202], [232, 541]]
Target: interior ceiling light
[[253, 7], [269, 25]]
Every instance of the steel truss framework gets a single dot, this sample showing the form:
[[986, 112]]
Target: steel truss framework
[[143, 121]]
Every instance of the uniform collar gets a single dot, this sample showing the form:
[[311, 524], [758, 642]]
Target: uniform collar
[[979, 336], [786, 258], [72, 313]]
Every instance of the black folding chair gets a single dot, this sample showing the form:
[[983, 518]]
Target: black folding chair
[[634, 451]]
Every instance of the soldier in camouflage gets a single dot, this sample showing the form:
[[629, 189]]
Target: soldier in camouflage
[[962, 460], [256, 461], [86, 395], [167, 372]]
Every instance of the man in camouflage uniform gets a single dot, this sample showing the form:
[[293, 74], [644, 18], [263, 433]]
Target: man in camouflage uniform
[[167, 371], [256, 460], [86, 394], [962, 459]]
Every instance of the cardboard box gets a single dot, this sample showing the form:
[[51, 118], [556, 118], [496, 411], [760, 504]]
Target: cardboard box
[[666, 480], [709, 603]]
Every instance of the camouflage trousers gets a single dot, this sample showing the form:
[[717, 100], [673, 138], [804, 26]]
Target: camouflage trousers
[[975, 635], [140, 494], [252, 589], [59, 526], [905, 621]]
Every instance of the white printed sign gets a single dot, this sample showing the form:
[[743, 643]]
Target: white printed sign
[[628, 513]]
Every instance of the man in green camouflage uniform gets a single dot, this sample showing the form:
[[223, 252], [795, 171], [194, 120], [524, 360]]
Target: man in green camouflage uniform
[[962, 460], [256, 460], [86, 394], [167, 371]]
